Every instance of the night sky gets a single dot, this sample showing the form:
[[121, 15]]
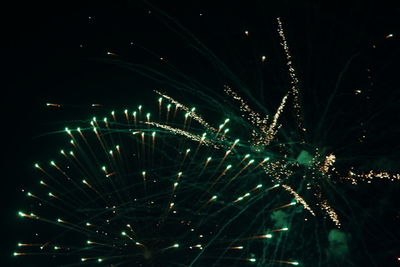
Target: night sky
[[79, 54]]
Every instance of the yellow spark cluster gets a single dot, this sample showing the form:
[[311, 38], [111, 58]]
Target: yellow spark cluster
[[191, 113], [330, 211], [354, 178], [298, 198], [184, 133], [293, 77], [329, 161], [267, 131]]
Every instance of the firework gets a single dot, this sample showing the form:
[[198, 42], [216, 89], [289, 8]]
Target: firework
[[131, 190]]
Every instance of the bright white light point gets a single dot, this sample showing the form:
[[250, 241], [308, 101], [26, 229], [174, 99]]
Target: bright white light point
[[175, 184], [295, 263], [236, 141], [123, 233], [139, 107], [188, 150], [99, 260], [88, 224], [263, 58], [252, 260], [176, 245], [251, 161], [214, 197], [36, 165], [227, 130], [246, 32], [103, 168], [293, 203], [209, 158], [179, 174], [266, 159], [268, 236], [193, 109], [228, 167], [258, 186], [148, 115], [285, 229], [125, 111], [52, 163], [247, 194], [226, 121], [112, 112], [153, 134], [105, 119], [94, 119]]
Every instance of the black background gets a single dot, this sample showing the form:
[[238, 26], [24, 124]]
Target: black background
[[43, 61]]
